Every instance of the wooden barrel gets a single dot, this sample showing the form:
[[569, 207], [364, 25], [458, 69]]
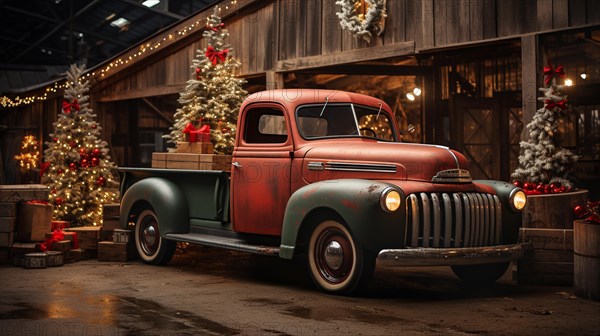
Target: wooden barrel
[[36, 260], [552, 211], [55, 258], [586, 245]]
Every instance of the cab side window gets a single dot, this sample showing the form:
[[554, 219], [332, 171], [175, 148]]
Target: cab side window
[[265, 125]]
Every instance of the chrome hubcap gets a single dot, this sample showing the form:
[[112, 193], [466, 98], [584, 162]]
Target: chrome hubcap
[[150, 235], [334, 255]]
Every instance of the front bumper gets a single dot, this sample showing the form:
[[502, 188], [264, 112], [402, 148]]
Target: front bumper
[[452, 256]]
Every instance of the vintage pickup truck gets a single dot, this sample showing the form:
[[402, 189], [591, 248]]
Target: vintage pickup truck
[[323, 176]]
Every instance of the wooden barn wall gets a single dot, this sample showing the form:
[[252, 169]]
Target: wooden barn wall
[[294, 29]]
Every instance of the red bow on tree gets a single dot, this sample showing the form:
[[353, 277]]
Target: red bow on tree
[[561, 104], [549, 71], [67, 108], [217, 27], [216, 56]]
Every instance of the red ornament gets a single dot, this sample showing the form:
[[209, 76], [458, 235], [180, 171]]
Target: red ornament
[[55, 139], [547, 189], [59, 171], [518, 184], [94, 126], [96, 152], [85, 163], [101, 181], [95, 161], [529, 186], [540, 188], [72, 166], [58, 201], [580, 211], [73, 144], [82, 151], [198, 73]]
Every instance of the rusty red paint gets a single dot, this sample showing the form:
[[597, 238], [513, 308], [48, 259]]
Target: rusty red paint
[[350, 205]]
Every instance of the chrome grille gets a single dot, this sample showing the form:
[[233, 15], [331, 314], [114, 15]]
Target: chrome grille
[[453, 220]]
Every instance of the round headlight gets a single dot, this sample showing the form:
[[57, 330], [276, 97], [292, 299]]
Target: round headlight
[[518, 199], [390, 200]]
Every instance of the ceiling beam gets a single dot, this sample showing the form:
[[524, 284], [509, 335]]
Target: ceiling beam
[[57, 28], [156, 11]]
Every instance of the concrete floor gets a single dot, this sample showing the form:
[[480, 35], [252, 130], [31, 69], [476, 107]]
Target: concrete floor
[[207, 291]]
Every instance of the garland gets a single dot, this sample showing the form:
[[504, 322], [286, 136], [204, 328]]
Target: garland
[[372, 23]]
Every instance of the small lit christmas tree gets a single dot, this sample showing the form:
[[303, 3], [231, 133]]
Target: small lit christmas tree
[[78, 168], [542, 160], [214, 95], [29, 156]]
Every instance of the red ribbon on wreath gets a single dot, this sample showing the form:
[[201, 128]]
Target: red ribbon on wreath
[[216, 56], [549, 71], [68, 107], [561, 104]]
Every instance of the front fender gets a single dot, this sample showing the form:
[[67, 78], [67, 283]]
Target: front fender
[[357, 202], [165, 197], [511, 219]]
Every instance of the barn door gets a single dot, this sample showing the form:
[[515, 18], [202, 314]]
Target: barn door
[[487, 132]]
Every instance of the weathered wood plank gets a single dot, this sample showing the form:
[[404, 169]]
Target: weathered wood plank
[[560, 13], [313, 27], [544, 14], [301, 34], [331, 30], [413, 20], [142, 93], [489, 19], [440, 9], [287, 25], [577, 12], [427, 24], [593, 11], [345, 57], [395, 23], [266, 51]]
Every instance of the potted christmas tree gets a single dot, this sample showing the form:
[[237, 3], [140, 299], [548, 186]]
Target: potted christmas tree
[[544, 164]]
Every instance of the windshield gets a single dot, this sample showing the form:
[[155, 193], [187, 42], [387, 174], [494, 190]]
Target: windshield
[[344, 120]]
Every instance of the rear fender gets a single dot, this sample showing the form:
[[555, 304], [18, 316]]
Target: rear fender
[[356, 202], [165, 197]]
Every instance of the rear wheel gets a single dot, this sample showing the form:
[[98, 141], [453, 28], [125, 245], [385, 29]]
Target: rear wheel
[[338, 264], [481, 274], [151, 247]]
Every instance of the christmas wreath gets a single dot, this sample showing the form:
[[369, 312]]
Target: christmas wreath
[[371, 23]]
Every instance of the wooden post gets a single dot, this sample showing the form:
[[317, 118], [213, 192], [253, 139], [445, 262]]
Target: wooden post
[[274, 80], [586, 246], [529, 66]]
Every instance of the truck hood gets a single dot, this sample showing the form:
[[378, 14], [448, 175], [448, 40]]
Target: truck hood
[[370, 159]]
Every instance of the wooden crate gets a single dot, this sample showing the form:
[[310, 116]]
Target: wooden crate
[[23, 193], [60, 246], [122, 236], [8, 224], [111, 211], [110, 224], [8, 209], [55, 258], [35, 220], [36, 260], [551, 260], [191, 161], [552, 211], [75, 255], [88, 236], [7, 239], [194, 147], [116, 252]]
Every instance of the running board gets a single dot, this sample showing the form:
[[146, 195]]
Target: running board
[[224, 242]]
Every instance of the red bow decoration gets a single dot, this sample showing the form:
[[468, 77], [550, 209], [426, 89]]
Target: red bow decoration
[[561, 104], [67, 108], [44, 167], [216, 56], [57, 235], [217, 27], [549, 72]]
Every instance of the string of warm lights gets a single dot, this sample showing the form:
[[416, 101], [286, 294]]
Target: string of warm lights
[[99, 74], [30, 153]]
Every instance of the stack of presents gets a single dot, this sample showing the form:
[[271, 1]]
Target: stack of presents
[[195, 154], [30, 238]]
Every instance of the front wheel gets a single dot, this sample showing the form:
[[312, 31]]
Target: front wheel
[[481, 274], [151, 247], [337, 264]]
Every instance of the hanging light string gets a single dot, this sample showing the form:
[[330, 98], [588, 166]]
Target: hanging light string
[[102, 72]]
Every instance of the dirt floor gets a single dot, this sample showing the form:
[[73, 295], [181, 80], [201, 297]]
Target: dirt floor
[[207, 291]]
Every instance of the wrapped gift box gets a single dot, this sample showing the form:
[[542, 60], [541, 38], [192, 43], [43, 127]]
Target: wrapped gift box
[[191, 161], [88, 236]]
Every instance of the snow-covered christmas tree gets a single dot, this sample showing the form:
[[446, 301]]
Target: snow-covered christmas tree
[[214, 95], [78, 168], [542, 159]]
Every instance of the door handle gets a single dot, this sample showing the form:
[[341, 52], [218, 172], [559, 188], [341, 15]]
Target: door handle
[[236, 164]]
